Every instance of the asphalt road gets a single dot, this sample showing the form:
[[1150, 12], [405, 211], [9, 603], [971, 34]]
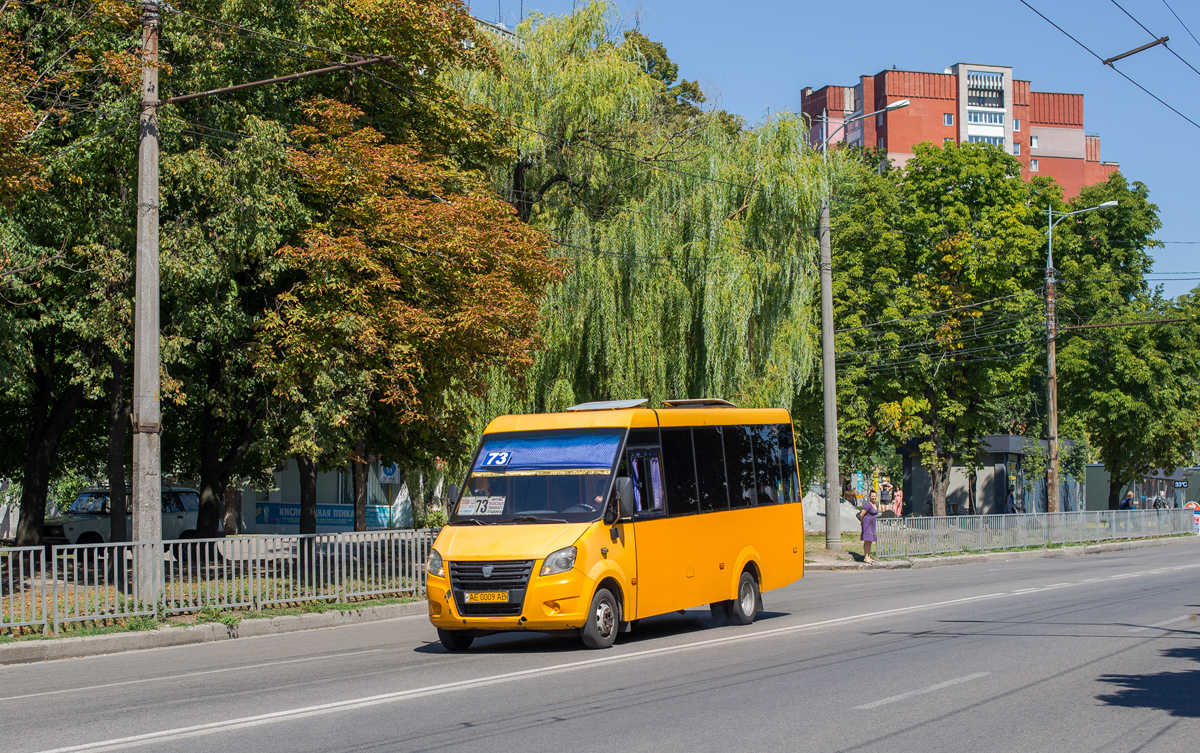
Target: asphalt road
[[1098, 653]]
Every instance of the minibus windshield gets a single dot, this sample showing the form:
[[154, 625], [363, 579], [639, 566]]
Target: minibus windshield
[[539, 477]]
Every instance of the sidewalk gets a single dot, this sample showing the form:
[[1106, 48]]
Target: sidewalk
[[824, 559], [48, 649]]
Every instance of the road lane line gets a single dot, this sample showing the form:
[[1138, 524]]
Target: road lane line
[[353, 704], [922, 691], [1164, 623], [172, 678]]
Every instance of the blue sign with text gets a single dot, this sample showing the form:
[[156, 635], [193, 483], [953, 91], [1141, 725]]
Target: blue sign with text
[[275, 513]]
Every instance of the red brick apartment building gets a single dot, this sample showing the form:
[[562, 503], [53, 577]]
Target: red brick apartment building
[[966, 103]]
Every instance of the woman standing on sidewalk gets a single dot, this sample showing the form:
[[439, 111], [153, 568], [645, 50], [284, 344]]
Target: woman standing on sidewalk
[[867, 516]]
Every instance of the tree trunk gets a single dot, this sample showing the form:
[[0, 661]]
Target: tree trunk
[[972, 478], [1114, 493], [216, 469], [118, 428], [45, 429], [360, 469], [939, 478], [308, 494], [233, 502]]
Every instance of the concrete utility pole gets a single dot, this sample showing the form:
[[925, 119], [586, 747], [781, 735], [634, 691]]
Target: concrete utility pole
[[147, 409], [1051, 365], [1051, 374], [833, 485], [147, 412]]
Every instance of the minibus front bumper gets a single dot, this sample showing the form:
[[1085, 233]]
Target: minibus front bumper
[[549, 602]]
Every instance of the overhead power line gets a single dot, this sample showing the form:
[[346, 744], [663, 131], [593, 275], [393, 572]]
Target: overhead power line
[[1098, 57], [936, 313], [1181, 23], [1161, 40]]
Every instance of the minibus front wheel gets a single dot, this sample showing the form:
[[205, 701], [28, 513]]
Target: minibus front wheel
[[603, 621], [455, 640], [744, 608]]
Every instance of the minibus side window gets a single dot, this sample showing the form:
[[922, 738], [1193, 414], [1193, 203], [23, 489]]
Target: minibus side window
[[739, 463], [680, 471], [766, 463], [787, 465], [646, 474], [710, 469]]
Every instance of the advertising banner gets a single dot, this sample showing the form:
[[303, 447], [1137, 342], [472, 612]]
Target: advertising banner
[[274, 513]]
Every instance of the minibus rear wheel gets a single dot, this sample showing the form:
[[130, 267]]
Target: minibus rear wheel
[[603, 622], [455, 640], [744, 608]]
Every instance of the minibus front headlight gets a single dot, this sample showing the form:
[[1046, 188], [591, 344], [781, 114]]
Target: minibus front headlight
[[435, 565], [560, 561]]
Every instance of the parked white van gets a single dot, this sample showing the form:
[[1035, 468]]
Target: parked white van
[[87, 520]]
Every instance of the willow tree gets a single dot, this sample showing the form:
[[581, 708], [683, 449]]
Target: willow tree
[[690, 245]]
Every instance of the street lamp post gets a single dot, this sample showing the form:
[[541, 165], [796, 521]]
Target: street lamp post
[[833, 488], [1051, 363]]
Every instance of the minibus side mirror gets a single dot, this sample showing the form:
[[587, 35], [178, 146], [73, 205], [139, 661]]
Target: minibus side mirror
[[611, 513], [624, 489]]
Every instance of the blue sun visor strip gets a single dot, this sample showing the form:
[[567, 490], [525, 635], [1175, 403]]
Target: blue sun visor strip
[[548, 451]]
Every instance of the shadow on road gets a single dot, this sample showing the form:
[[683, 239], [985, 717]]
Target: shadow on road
[[1173, 692], [674, 624]]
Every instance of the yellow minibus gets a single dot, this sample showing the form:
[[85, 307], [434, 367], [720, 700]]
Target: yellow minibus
[[611, 512]]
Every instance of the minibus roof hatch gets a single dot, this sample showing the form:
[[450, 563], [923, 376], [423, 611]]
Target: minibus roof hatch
[[608, 405], [699, 402]]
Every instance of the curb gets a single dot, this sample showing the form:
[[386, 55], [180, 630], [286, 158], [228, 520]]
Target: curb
[[23, 652], [966, 559]]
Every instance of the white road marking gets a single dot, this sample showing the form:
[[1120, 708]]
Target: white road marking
[[200, 730], [922, 691], [1164, 623], [172, 678]]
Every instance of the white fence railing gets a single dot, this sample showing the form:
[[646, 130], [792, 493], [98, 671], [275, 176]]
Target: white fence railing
[[49, 587], [905, 537]]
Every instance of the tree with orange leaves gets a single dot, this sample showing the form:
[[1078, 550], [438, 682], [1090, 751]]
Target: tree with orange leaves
[[412, 279]]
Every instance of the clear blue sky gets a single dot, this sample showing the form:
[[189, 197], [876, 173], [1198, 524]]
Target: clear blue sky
[[752, 57]]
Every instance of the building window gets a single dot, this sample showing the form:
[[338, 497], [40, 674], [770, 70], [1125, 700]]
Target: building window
[[948, 119], [880, 144], [987, 118], [1033, 166], [1033, 142], [1016, 124], [1017, 149], [947, 141], [993, 140], [879, 119]]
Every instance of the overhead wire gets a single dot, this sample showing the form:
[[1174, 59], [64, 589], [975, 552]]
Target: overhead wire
[[1154, 36], [1181, 23], [1123, 75]]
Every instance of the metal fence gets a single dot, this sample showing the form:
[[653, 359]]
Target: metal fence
[[50, 587], [906, 537]]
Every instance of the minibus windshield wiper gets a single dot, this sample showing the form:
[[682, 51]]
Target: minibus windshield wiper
[[464, 521], [536, 519]]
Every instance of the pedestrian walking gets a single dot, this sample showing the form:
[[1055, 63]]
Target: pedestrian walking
[[867, 515], [1010, 502], [898, 502]]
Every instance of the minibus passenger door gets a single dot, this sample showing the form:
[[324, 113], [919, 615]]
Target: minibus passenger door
[[618, 516]]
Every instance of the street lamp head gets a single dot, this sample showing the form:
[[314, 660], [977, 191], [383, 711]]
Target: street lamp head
[[898, 105], [1107, 205]]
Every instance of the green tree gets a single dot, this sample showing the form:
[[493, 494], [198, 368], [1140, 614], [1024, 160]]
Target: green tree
[[1130, 388], [66, 302], [690, 247], [936, 294]]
